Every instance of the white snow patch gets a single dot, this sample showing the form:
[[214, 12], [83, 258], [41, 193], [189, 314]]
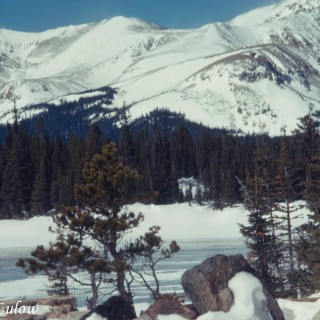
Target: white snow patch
[[195, 222], [42, 309], [32, 287], [95, 316], [249, 300], [170, 317], [26, 233], [298, 310]]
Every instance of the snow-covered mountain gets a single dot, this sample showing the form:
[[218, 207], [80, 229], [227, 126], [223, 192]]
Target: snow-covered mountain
[[258, 71]]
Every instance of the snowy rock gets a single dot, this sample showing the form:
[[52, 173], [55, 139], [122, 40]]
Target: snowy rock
[[207, 285], [168, 306]]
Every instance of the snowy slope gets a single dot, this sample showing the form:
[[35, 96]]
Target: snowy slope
[[199, 222], [260, 71]]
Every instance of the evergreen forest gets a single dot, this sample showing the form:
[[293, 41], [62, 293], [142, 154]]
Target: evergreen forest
[[39, 169]]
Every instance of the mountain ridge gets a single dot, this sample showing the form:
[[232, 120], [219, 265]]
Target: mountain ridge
[[238, 73]]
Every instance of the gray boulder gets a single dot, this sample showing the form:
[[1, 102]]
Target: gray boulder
[[207, 284]]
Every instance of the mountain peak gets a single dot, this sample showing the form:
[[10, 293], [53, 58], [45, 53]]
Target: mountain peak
[[131, 23], [276, 11], [288, 7], [239, 73]]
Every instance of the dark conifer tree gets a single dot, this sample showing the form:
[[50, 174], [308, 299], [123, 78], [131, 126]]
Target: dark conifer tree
[[40, 198], [58, 164], [261, 238], [183, 153], [203, 157], [215, 173], [284, 197], [17, 182], [308, 247], [126, 142], [306, 139], [229, 183], [155, 157], [142, 160], [93, 142]]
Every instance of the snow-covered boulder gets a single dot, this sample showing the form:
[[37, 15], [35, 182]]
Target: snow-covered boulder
[[209, 286]]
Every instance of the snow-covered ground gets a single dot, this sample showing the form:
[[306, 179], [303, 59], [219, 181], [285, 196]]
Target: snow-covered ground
[[199, 230]]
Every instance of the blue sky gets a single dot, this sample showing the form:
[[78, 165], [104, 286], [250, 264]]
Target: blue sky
[[38, 15]]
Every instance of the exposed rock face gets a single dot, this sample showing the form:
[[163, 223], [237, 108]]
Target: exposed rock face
[[207, 284], [167, 306]]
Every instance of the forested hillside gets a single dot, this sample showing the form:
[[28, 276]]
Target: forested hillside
[[38, 170]]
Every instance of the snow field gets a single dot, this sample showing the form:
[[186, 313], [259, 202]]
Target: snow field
[[178, 222]]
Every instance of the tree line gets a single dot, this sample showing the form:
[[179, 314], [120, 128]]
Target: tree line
[[38, 174]]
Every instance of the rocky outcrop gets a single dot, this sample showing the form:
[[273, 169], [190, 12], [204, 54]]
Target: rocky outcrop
[[168, 306], [207, 284]]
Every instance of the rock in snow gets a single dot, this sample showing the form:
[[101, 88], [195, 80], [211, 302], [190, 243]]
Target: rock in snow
[[230, 285], [168, 306]]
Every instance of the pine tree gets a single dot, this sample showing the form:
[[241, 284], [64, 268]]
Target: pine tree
[[16, 187], [215, 172], [183, 153], [265, 247], [100, 215], [229, 184], [142, 160], [306, 139], [93, 142], [126, 143], [58, 161], [308, 246], [203, 157], [169, 188], [284, 198], [40, 198]]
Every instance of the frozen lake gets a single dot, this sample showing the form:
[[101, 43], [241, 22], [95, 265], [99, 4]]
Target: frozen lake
[[14, 283]]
